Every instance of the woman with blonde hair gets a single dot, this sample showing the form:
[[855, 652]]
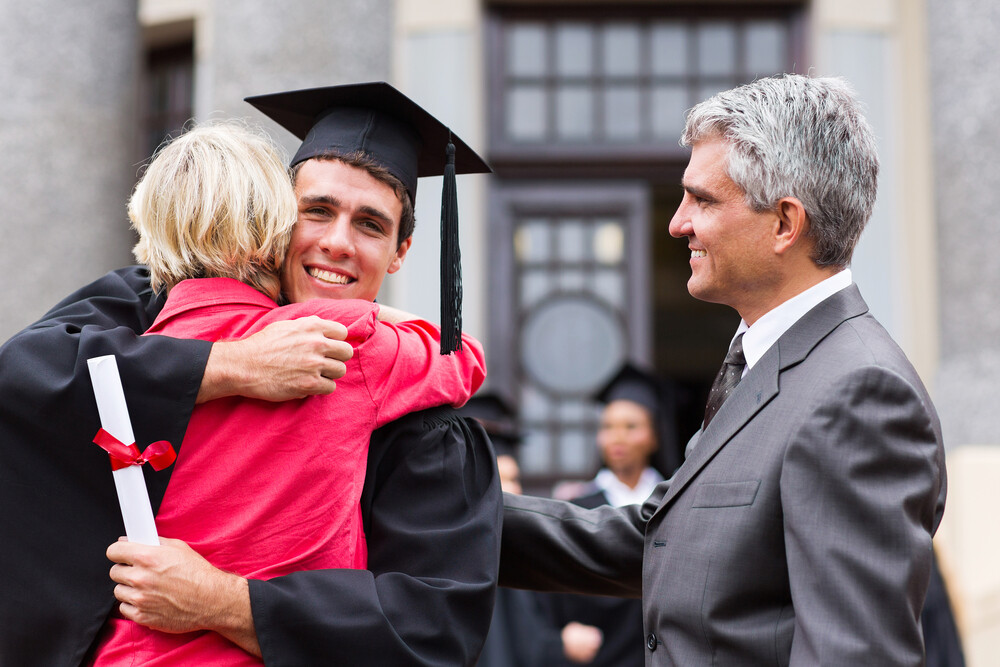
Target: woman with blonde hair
[[215, 202], [264, 489]]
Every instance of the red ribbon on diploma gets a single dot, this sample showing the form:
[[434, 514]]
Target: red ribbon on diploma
[[160, 454]]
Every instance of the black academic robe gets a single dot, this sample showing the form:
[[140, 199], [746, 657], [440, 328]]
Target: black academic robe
[[431, 493], [619, 619], [942, 644], [520, 635]]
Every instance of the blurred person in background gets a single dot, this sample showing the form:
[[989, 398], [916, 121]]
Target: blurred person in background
[[520, 635], [637, 417]]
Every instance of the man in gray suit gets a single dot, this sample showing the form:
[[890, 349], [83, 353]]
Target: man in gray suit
[[798, 530]]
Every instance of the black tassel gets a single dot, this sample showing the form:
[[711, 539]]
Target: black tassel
[[451, 261]]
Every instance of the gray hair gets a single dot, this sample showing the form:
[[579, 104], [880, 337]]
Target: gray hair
[[797, 136]]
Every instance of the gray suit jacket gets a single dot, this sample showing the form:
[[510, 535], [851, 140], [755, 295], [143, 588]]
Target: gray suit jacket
[[798, 530]]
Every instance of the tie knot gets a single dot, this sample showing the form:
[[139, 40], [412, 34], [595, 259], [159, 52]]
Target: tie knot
[[735, 356]]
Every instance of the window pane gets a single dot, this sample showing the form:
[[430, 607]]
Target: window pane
[[766, 46], [568, 344], [622, 113], [180, 90], [573, 411], [574, 50], [571, 243], [610, 286], [533, 241], [670, 103], [534, 452], [620, 54], [574, 112], [572, 281], [608, 241], [707, 88], [669, 49], [716, 48], [526, 49], [167, 103], [526, 113], [535, 405], [535, 286], [577, 452]]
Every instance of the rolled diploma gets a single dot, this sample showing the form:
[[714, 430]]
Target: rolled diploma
[[129, 482]]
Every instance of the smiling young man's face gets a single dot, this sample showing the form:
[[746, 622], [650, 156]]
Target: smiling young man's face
[[345, 241]]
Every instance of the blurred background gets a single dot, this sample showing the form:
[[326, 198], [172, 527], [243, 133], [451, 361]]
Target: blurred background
[[569, 269]]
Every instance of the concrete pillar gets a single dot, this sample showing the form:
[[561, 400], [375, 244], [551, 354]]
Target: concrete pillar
[[965, 84], [67, 121], [965, 93], [258, 46]]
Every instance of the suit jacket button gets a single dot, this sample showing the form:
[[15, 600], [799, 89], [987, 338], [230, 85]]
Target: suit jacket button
[[651, 642]]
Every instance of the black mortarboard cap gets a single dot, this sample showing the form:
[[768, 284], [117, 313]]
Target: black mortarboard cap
[[631, 383], [499, 420], [398, 134]]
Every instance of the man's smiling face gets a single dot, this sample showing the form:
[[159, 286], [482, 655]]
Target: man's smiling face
[[345, 240], [732, 247]]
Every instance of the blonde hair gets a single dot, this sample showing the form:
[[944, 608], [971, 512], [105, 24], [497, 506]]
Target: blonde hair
[[216, 202]]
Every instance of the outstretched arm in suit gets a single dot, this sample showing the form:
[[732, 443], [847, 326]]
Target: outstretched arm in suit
[[553, 545]]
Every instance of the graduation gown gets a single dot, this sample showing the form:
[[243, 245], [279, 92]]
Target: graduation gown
[[431, 492]]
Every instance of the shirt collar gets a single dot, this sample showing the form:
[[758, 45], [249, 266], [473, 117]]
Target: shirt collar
[[619, 494], [196, 293], [759, 338]]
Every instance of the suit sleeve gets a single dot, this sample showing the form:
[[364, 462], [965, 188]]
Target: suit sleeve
[[56, 488], [432, 511], [862, 494], [556, 546]]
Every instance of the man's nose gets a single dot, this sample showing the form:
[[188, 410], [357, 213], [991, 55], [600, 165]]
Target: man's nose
[[680, 224], [337, 239]]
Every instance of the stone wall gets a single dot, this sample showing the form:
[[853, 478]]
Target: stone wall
[[67, 119], [68, 116]]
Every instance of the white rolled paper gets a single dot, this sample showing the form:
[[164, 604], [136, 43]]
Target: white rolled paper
[[131, 485]]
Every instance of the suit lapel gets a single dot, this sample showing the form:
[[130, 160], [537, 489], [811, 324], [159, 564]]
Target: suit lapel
[[762, 383]]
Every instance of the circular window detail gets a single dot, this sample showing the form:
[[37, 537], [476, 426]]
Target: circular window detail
[[571, 344]]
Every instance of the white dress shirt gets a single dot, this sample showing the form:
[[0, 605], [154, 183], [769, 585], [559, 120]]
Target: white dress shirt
[[759, 338], [619, 494]]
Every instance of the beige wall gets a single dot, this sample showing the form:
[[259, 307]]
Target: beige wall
[[438, 61], [968, 545], [897, 253]]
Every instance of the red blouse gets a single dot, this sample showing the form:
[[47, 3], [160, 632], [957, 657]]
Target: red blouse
[[264, 489]]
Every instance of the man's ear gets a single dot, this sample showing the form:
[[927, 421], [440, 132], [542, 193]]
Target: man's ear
[[792, 224], [397, 262]]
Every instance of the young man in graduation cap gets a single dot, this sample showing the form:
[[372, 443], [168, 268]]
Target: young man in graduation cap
[[431, 487]]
